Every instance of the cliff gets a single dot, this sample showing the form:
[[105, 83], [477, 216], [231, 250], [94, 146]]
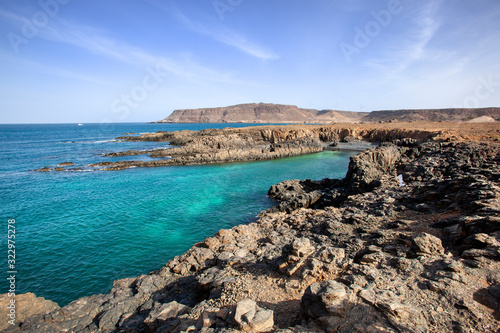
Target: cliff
[[271, 142], [361, 254], [277, 113]]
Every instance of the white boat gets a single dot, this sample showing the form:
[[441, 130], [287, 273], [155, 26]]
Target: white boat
[[80, 124]]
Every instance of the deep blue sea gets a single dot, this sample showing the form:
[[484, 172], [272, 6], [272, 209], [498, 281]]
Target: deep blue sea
[[76, 232]]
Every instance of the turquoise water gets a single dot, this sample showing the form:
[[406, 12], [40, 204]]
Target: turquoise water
[[76, 232]]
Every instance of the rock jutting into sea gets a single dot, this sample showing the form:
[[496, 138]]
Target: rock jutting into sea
[[271, 142], [360, 254]]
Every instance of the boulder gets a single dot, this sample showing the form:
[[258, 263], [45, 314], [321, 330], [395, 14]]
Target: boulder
[[428, 244], [302, 247], [367, 169], [327, 298], [250, 317], [161, 312]]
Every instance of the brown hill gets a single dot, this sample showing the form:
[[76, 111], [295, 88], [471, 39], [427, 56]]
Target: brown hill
[[261, 113], [431, 115], [279, 113]]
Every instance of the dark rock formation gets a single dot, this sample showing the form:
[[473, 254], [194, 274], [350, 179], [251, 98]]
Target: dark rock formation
[[248, 144], [366, 171], [424, 257], [271, 142]]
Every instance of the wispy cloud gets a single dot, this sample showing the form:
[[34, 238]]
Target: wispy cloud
[[51, 70], [223, 35], [427, 25], [96, 41], [90, 39], [415, 48], [9, 16], [188, 69]]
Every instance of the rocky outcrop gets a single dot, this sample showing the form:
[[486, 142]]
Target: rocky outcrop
[[17, 309], [366, 171], [423, 257], [271, 142]]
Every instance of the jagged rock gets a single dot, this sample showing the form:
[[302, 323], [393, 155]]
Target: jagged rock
[[367, 169], [405, 317], [302, 247], [161, 312], [295, 194], [15, 310], [327, 298], [428, 244], [249, 144], [251, 317], [77, 315]]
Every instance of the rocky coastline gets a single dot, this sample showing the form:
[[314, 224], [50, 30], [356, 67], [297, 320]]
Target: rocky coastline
[[272, 142], [360, 254]]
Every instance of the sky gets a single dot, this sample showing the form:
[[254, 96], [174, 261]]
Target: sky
[[74, 61]]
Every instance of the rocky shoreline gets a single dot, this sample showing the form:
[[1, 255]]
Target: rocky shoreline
[[359, 254], [271, 142]]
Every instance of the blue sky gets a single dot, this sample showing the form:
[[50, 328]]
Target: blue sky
[[125, 61]]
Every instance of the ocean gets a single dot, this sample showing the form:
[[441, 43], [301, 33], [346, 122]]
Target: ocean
[[77, 232]]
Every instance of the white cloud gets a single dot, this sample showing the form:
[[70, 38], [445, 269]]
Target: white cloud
[[51, 70], [427, 25], [90, 39], [225, 36], [415, 48], [95, 41]]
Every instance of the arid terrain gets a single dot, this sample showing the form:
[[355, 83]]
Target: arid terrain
[[408, 241]]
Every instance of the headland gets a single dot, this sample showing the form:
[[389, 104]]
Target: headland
[[277, 141]]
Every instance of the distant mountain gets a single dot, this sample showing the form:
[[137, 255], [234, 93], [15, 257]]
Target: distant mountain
[[279, 113], [261, 113], [432, 115]]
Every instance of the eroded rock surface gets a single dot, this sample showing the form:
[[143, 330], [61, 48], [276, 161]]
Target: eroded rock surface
[[361, 254], [246, 144]]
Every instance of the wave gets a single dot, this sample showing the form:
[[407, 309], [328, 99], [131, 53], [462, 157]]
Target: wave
[[90, 142]]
